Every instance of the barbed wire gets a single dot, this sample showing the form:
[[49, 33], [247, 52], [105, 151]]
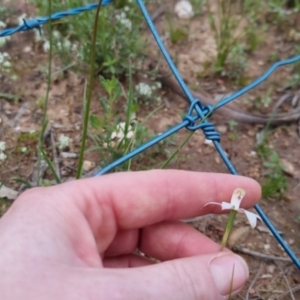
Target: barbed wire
[[196, 112], [38, 22]]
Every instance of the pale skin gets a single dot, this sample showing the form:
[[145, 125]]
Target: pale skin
[[76, 240]]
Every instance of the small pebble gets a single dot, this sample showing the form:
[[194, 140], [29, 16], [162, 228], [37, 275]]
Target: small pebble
[[184, 9], [88, 165]]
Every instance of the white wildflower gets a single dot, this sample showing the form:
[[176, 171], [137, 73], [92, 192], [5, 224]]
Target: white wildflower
[[2, 156], [6, 64], [2, 146], [119, 134], [158, 85], [63, 142], [67, 45], [4, 61], [124, 21], [38, 34], [2, 24], [24, 149], [3, 40], [235, 203], [144, 89], [56, 34], [46, 46]]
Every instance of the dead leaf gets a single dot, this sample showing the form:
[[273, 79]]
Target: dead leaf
[[8, 193], [238, 236]]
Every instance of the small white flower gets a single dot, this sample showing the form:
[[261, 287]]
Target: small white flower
[[119, 134], [38, 34], [56, 34], [2, 24], [6, 64], [2, 146], [31, 131], [64, 141], [3, 40], [158, 85], [46, 46], [234, 204], [2, 156], [144, 89], [67, 44], [122, 18], [23, 149], [126, 23], [184, 9]]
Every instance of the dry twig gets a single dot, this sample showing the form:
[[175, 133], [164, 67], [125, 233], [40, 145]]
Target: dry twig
[[253, 281], [261, 255], [286, 280]]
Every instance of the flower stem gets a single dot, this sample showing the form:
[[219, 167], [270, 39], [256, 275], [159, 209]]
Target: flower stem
[[228, 227], [89, 92]]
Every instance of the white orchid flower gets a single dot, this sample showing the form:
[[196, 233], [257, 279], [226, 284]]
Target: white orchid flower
[[234, 204]]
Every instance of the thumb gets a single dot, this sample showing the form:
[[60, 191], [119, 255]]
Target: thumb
[[200, 277]]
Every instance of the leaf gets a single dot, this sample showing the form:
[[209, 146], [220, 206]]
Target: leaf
[[95, 122], [6, 192]]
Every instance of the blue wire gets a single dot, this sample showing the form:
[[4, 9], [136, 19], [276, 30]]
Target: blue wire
[[36, 23], [189, 120], [142, 148], [258, 80], [201, 115]]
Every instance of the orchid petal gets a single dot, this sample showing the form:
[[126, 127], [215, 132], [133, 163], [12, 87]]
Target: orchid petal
[[214, 203], [252, 217], [237, 198], [226, 205]]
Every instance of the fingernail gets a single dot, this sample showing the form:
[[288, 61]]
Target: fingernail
[[225, 267]]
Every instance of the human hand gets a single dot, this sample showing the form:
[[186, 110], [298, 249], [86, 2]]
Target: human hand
[[76, 240]]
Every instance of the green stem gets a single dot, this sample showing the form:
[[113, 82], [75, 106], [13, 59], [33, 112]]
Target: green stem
[[177, 150], [228, 227], [89, 95], [45, 120]]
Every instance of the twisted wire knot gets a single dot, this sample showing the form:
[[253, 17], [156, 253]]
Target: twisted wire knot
[[207, 127], [31, 24]]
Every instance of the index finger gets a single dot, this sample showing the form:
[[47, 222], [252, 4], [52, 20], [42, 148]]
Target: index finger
[[139, 199]]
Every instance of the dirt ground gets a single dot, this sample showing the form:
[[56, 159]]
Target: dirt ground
[[273, 276]]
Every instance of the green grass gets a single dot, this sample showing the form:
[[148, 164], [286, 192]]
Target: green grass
[[119, 36], [274, 183]]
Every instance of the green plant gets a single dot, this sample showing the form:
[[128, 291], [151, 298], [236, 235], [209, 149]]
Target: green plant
[[233, 39], [88, 99], [178, 33], [113, 137], [197, 6], [264, 101], [233, 134], [224, 25], [118, 37], [236, 63], [275, 182], [279, 10]]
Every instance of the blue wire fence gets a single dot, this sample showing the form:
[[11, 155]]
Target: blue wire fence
[[197, 115]]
